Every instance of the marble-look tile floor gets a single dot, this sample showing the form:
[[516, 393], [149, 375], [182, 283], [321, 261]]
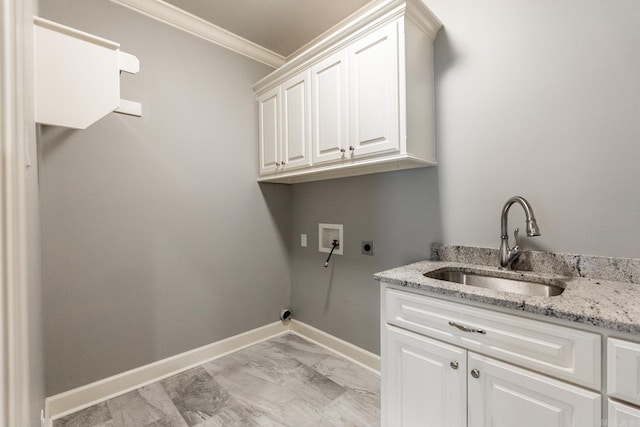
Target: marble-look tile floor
[[285, 381]]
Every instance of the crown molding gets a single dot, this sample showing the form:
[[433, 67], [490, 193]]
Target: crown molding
[[373, 15], [420, 15], [178, 18]]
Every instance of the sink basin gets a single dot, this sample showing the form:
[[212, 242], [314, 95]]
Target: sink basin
[[506, 281]]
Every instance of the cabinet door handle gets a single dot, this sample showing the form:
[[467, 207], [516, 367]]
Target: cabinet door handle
[[277, 163], [342, 150], [467, 328], [454, 364], [282, 163], [352, 148], [475, 373]]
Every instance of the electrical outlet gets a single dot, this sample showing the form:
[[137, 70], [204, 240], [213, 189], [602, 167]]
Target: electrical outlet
[[366, 247], [303, 240]]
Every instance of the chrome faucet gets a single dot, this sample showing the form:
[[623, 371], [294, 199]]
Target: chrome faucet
[[509, 255]]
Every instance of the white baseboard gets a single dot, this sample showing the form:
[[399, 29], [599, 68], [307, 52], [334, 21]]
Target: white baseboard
[[88, 395], [345, 349]]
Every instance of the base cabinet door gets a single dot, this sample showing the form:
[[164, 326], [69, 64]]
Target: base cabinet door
[[423, 381], [622, 415], [502, 395]]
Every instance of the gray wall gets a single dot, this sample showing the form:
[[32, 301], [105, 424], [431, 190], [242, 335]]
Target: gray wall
[[149, 224], [541, 99], [399, 211], [156, 237], [537, 98]]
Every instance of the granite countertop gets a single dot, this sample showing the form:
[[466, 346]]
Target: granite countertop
[[609, 304]]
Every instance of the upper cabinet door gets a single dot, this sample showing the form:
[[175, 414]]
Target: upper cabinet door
[[269, 130], [374, 92], [330, 115], [502, 395], [296, 121]]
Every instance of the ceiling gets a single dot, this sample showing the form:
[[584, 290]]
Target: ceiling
[[282, 26]]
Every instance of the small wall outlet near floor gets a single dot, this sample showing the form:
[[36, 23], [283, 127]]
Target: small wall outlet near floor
[[366, 247], [303, 240], [327, 233]]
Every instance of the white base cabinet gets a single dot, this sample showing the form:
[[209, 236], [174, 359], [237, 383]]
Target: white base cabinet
[[622, 415], [425, 381], [623, 378], [502, 395], [429, 382]]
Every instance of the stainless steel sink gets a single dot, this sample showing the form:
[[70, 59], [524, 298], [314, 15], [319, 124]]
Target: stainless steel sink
[[500, 281]]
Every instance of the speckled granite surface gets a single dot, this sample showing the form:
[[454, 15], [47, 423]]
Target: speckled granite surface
[[600, 302], [587, 266]]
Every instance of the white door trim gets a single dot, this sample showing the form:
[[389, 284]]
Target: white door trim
[[14, 369]]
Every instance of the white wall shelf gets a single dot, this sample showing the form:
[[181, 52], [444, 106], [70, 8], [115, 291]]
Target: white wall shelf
[[77, 76]]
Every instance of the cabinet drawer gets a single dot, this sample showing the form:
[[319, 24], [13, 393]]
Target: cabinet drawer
[[623, 370], [559, 351], [621, 415]]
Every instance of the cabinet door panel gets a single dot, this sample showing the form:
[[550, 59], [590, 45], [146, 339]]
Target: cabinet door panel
[[330, 121], [269, 130], [373, 92], [621, 415], [506, 396], [419, 385], [623, 370], [296, 117]]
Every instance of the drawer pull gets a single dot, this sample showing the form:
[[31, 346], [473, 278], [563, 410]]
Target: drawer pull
[[467, 328]]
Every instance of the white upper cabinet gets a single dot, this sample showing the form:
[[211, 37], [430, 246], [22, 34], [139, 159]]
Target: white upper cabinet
[[358, 113], [330, 119], [373, 93], [269, 130], [284, 122], [296, 122]]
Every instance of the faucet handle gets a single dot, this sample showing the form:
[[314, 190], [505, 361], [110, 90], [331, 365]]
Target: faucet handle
[[515, 236]]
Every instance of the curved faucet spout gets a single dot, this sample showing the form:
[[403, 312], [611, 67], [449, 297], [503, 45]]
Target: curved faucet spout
[[509, 255]]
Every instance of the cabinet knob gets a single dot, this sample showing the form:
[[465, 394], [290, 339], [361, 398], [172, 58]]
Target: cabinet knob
[[282, 163], [475, 373], [342, 150], [454, 364], [277, 163], [352, 148]]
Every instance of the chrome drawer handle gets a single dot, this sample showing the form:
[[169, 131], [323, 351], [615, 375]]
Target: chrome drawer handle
[[467, 328]]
